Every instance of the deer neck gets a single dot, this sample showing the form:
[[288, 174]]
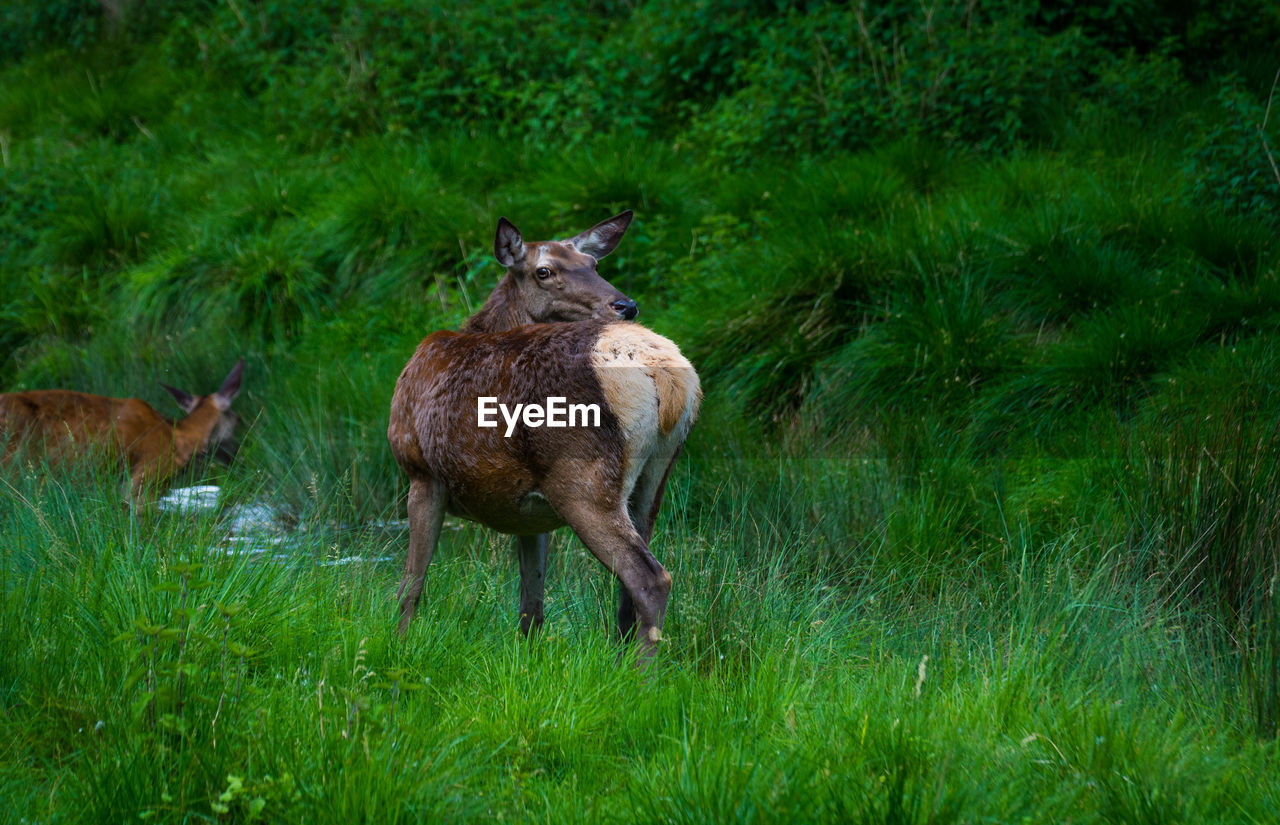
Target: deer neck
[[192, 432], [500, 312]]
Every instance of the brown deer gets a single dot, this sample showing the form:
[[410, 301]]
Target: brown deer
[[65, 426], [552, 329]]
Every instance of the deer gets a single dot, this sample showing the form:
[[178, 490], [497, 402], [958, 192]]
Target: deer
[[552, 328], [65, 426]]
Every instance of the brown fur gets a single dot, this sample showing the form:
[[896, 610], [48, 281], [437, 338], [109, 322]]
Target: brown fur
[[605, 482], [551, 281], [434, 433], [63, 426]]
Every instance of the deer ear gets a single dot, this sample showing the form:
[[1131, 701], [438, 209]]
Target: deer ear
[[231, 384], [508, 246], [185, 400], [603, 238]]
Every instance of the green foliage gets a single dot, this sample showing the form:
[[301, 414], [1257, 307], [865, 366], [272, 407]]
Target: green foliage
[[1116, 353], [684, 56], [1196, 32], [976, 524], [103, 224], [56, 305], [1234, 162], [262, 279], [937, 345], [360, 68], [170, 674], [27, 25], [325, 446], [1064, 270], [849, 77]]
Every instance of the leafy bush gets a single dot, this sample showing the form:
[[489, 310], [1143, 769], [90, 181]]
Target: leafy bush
[[1234, 163], [353, 68], [845, 78], [28, 25], [1206, 36]]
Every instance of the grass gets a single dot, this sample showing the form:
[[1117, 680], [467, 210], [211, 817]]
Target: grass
[[776, 695], [1096, 700], [1016, 527], [977, 521]]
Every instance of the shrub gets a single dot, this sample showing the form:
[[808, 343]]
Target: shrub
[[1233, 164], [1196, 33], [28, 25], [841, 78]]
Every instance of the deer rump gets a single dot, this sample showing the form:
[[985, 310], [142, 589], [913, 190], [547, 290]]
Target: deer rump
[[646, 391]]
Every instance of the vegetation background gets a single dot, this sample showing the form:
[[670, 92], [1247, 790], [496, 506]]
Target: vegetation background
[[981, 521]]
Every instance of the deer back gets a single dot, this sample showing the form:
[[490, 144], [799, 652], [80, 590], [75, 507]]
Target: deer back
[[646, 392]]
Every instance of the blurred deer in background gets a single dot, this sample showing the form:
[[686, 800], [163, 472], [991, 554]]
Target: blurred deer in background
[[66, 426]]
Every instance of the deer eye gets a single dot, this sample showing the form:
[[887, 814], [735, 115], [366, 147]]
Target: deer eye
[[542, 273]]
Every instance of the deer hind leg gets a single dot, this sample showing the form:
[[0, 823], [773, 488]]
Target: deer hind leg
[[426, 516], [614, 540], [533, 573], [643, 506]]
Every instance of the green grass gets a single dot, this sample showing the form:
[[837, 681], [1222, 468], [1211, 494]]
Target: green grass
[[1064, 683], [984, 302]]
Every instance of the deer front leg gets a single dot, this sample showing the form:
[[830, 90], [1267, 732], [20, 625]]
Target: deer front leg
[[533, 574], [145, 478], [626, 615], [426, 516]]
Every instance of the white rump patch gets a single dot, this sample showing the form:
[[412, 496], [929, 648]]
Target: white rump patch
[[651, 388]]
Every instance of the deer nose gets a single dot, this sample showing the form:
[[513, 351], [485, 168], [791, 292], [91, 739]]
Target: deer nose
[[626, 308]]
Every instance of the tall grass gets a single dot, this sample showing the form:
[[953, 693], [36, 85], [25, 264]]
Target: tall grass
[[1204, 489], [1065, 681], [976, 524]]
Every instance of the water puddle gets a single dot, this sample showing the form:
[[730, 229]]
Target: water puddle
[[262, 531]]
